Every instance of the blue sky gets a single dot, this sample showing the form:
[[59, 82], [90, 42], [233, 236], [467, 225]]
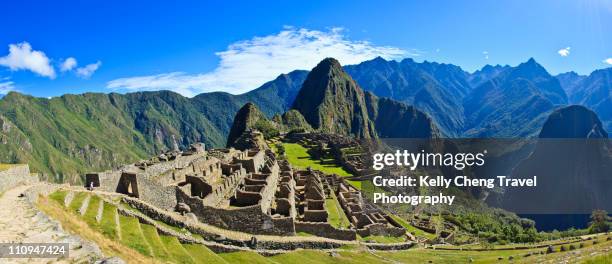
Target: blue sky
[[235, 46]]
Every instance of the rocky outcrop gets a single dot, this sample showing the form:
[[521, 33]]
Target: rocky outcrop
[[573, 122], [247, 118], [573, 164]]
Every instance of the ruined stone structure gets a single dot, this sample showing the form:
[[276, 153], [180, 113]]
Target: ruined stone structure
[[365, 217], [14, 175], [242, 190]]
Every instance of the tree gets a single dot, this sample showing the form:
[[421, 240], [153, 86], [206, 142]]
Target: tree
[[599, 222]]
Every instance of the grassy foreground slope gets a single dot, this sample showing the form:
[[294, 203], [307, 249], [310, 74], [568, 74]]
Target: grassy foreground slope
[[136, 242]]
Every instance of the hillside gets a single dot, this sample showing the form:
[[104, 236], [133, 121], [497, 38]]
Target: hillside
[[273, 97], [64, 137]]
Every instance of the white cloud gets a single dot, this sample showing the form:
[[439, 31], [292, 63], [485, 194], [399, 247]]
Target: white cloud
[[247, 64], [68, 64], [564, 52], [608, 61], [6, 85], [22, 57], [88, 70], [486, 54]]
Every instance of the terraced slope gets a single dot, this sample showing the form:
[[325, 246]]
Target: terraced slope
[[155, 247], [144, 238]]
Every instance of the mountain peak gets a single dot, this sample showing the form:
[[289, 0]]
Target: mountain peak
[[531, 64], [327, 65], [574, 121], [331, 101], [245, 119], [531, 60]]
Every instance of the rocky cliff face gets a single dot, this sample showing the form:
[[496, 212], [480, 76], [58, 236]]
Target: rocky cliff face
[[331, 101]]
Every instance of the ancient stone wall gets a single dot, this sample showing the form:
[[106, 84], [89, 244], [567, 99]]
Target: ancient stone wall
[[109, 180], [249, 219], [163, 197], [16, 175], [381, 230], [325, 230], [254, 162]]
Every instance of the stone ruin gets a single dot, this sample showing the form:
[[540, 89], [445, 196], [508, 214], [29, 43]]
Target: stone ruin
[[337, 146], [242, 190], [366, 218]]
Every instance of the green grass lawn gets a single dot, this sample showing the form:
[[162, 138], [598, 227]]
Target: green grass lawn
[[77, 201], [149, 232], [298, 156], [145, 239], [249, 257], [59, 196], [107, 224], [92, 211], [384, 239], [132, 236], [606, 259], [176, 250], [335, 215], [203, 254]]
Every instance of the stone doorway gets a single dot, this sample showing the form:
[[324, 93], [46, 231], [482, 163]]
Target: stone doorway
[[128, 184]]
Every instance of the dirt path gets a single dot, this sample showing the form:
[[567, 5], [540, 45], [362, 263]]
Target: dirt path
[[20, 222]]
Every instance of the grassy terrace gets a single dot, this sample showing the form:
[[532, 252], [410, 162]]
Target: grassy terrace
[[133, 241], [410, 228], [336, 216], [141, 243], [298, 156]]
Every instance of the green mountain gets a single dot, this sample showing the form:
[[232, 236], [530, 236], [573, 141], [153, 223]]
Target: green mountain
[[273, 97], [331, 101], [68, 135], [249, 117], [65, 136]]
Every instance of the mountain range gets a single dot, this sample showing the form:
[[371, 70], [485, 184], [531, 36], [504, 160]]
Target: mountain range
[[330, 101], [65, 136]]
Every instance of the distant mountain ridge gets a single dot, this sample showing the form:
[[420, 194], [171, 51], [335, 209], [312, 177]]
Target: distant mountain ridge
[[593, 91], [99, 131]]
